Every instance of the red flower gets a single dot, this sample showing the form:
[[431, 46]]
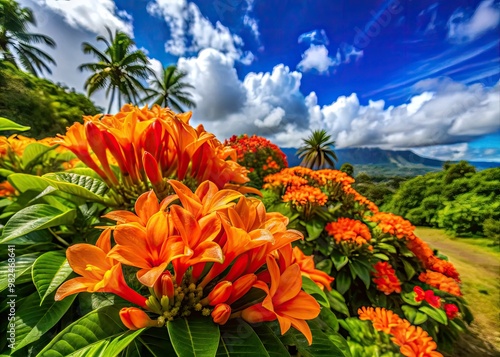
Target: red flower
[[420, 293], [451, 310], [433, 300]]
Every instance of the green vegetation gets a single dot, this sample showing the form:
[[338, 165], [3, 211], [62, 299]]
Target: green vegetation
[[317, 151], [44, 106], [378, 189], [169, 90], [458, 199], [16, 42]]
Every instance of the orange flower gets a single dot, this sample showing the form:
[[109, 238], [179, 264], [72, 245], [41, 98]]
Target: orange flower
[[440, 282], [99, 273], [305, 194], [134, 318], [285, 301], [412, 340], [349, 230], [149, 248], [386, 279], [394, 225], [6, 189], [221, 313], [308, 269]]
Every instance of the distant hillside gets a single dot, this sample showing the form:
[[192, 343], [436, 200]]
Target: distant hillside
[[404, 159]]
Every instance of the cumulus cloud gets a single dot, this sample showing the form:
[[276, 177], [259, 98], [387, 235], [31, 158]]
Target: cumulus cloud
[[191, 32], [465, 27], [91, 15], [316, 58], [260, 103], [461, 151]]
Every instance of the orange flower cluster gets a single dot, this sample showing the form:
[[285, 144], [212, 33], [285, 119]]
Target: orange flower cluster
[[412, 340], [14, 144], [211, 246], [425, 254], [362, 200], [349, 230], [6, 189], [244, 144], [385, 278], [304, 195], [440, 282], [151, 144], [394, 225], [308, 269]]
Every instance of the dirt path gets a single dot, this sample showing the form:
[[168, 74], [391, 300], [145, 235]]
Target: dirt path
[[479, 270]]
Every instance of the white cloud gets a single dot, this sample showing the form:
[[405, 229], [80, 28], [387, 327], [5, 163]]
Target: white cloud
[[271, 104], [316, 58], [460, 151], [464, 28], [191, 32], [91, 15], [314, 37]]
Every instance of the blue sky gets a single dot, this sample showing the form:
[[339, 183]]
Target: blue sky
[[420, 75]]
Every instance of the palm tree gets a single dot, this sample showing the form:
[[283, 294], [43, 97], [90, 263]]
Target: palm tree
[[317, 152], [169, 90], [15, 39], [118, 70]]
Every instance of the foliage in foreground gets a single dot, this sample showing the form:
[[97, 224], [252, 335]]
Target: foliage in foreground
[[155, 248]]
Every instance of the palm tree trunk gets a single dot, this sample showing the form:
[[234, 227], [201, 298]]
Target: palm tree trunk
[[112, 100]]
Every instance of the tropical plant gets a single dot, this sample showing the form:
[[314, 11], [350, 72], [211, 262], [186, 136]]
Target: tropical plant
[[259, 155], [119, 68], [317, 152], [17, 41], [169, 90]]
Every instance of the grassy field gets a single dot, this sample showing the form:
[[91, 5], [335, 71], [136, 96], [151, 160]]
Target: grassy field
[[479, 267]]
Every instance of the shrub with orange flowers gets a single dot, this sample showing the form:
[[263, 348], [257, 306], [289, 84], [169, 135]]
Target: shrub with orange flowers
[[375, 257], [259, 155]]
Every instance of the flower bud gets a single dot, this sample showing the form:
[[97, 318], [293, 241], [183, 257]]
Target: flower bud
[[221, 313], [220, 293], [152, 170], [419, 293], [153, 305], [134, 318], [241, 287], [164, 286]]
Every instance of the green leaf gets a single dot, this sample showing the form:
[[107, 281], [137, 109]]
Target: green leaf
[[409, 298], [410, 312], [196, 337], [339, 260], [33, 218], [314, 228], [327, 316], [381, 256], [82, 335], [420, 318], [34, 152], [271, 342], [337, 302], [155, 341], [321, 346], [70, 183], [311, 288], [34, 319], [36, 237], [6, 124], [362, 271], [436, 314], [325, 265], [387, 247], [49, 271], [343, 281], [111, 346], [237, 339], [22, 268], [409, 270], [5, 172]]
